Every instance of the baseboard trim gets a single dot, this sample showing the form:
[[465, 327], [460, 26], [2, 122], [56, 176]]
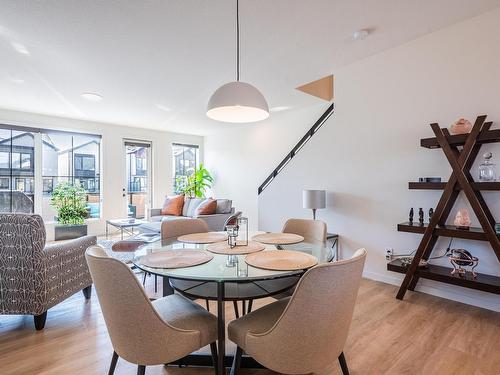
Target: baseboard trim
[[455, 293]]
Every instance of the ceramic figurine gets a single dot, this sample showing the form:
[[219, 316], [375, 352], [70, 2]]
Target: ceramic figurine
[[462, 126], [431, 212], [462, 219], [410, 217], [421, 216]]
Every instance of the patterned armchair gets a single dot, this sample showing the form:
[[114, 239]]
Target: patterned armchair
[[35, 277]]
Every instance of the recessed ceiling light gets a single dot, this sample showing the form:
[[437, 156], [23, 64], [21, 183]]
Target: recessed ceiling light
[[20, 48], [280, 108], [92, 96], [360, 34], [163, 108]]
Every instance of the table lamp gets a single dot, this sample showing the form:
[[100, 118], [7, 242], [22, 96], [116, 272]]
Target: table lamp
[[314, 199]]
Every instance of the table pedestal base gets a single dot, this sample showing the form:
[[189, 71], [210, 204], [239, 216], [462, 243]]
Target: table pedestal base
[[205, 360]]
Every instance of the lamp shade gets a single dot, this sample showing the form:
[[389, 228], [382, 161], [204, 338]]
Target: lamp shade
[[237, 102], [314, 199]]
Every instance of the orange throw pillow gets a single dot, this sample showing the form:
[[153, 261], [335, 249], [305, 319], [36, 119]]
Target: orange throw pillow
[[173, 205], [207, 207]]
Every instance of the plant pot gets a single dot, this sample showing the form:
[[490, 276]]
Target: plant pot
[[68, 232]]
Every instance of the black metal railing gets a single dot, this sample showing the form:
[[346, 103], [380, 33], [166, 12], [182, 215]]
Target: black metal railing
[[297, 148]]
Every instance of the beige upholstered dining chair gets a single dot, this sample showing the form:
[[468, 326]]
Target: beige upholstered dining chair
[[311, 230], [307, 332], [177, 228], [144, 332]]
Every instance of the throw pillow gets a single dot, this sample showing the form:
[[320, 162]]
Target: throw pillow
[[207, 207], [173, 205]]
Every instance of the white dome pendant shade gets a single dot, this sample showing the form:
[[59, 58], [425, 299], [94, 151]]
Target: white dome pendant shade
[[237, 102]]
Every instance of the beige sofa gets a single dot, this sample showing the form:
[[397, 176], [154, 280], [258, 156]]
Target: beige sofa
[[215, 221]]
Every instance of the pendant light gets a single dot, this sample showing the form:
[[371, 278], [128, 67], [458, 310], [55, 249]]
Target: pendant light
[[237, 102]]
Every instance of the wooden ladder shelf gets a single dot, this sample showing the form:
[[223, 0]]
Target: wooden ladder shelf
[[461, 161]]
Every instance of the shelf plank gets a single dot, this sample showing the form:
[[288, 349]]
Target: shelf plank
[[478, 186], [472, 233], [486, 283], [491, 136]]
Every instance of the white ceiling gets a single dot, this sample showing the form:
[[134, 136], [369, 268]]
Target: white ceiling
[[140, 54]]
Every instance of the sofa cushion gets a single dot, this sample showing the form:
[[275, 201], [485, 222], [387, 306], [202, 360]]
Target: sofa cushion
[[193, 205], [224, 206], [173, 205], [207, 207], [187, 200]]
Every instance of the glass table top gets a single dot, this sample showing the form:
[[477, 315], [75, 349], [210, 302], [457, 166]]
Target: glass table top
[[217, 270]]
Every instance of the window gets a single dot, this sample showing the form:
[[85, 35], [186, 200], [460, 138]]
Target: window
[[73, 158], [4, 160], [4, 183], [185, 160], [17, 170]]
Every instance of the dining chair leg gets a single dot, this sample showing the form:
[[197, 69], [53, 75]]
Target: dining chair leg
[[250, 303], [113, 364], [207, 302], [343, 364], [156, 283], [141, 370], [243, 307], [236, 311], [144, 279], [213, 350], [235, 368]]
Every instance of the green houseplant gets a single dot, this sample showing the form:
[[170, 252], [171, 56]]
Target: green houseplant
[[195, 184], [70, 203]]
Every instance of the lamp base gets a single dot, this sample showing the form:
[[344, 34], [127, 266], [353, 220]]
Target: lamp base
[[314, 213]]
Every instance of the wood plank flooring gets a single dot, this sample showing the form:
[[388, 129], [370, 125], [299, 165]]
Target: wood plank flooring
[[420, 335]]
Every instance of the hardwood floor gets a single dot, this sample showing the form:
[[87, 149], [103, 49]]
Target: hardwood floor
[[420, 335]]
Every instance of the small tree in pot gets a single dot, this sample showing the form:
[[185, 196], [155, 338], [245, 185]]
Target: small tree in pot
[[70, 202], [195, 184]]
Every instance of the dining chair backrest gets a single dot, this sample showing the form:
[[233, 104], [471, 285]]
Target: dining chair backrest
[[180, 227], [137, 332], [312, 330], [311, 230]]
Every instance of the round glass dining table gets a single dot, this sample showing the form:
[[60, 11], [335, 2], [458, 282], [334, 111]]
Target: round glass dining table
[[222, 281]]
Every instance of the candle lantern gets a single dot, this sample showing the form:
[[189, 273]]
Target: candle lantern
[[243, 225]]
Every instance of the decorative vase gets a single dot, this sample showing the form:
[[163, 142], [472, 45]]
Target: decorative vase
[[462, 219], [461, 126], [487, 169]]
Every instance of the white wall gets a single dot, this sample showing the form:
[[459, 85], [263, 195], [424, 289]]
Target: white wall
[[369, 149], [113, 159], [242, 156]]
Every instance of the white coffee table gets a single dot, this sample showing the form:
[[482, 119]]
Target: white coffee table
[[125, 225]]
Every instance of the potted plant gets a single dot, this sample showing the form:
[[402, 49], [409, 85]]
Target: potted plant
[[70, 202], [195, 184]]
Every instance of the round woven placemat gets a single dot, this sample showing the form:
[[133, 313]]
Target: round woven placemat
[[223, 248], [176, 258], [208, 237], [278, 238], [281, 260]]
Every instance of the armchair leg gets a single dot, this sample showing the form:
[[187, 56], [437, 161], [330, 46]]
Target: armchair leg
[[235, 368], [343, 364], [113, 363], [87, 292], [40, 320], [141, 370], [213, 350]]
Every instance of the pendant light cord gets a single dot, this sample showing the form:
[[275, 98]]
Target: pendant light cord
[[237, 40]]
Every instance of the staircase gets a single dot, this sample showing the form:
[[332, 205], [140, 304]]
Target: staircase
[[325, 116]]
